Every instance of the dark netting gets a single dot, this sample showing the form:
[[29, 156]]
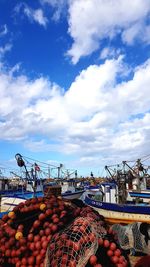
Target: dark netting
[[133, 236]]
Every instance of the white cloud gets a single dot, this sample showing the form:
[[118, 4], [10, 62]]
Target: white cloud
[[146, 34], [109, 52], [41, 146], [34, 15], [92, 83], [3, 30], [91, 21], [58, 5], [130, 34], [5, 49], [96, 118]]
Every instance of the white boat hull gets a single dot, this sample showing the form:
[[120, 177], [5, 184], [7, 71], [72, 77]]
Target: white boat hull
[[120, 217], [75, 195], [8, 203]]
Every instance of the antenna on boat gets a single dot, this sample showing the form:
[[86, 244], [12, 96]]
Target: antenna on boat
[[21, 163]]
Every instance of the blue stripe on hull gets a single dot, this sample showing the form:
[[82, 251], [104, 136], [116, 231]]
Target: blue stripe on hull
[[28, 195], [125, 208], [21, 194], [142, 195], [3, 213]]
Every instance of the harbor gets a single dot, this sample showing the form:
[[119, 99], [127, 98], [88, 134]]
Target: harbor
[[71, 221], [75, 133]]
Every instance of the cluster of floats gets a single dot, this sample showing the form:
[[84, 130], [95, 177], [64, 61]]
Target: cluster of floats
[[123, 197]]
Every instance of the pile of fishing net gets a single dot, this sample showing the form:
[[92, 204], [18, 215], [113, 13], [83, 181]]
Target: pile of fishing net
[[75, 245], [52, 232], [85, 242]]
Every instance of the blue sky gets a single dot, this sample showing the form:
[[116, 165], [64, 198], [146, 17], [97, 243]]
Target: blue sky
[[74, 82]]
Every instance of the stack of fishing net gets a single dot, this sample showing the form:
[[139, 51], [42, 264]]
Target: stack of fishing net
[[74, 246], [133, 237]]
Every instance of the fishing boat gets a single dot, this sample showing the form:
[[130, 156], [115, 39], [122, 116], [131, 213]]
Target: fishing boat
[[123, 200], [119, 213]]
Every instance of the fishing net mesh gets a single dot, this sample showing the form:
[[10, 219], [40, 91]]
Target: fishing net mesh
[[74, 246], [130, 237]]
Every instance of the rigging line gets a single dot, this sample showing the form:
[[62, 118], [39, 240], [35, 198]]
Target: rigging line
[[146, 159], [8, 168], [142, 158], [146, 156], [114, 165], [39, 161], [128, 161], [27, 162]]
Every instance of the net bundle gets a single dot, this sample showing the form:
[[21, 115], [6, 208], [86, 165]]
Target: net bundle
[[74, 246], [133, 236]]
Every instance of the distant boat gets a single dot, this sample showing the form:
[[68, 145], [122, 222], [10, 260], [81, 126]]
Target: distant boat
[[68, 188], [11, 199]]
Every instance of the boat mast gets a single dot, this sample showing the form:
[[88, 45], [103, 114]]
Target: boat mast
[[107, 169], [21, 163], [136, 173], [121, 182], [120, 178], [59, 168]]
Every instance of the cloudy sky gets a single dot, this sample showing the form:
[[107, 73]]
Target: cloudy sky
[[75, 81]]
